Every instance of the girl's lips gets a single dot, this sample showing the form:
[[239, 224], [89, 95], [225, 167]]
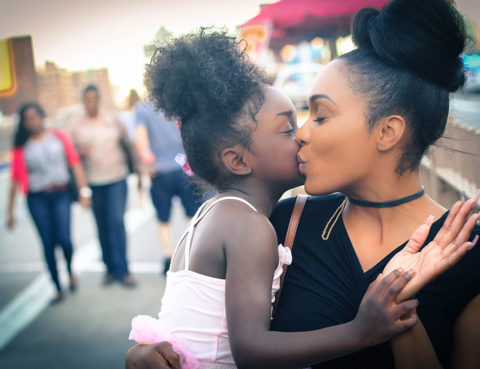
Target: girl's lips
[[299, 159], [301, 164]]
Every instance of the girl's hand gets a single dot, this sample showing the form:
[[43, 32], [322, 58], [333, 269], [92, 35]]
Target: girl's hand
[[379, 317], [155, 356], [446, 249]]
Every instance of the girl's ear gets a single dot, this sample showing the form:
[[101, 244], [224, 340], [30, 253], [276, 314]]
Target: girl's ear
[[235, 159], [389, 132]]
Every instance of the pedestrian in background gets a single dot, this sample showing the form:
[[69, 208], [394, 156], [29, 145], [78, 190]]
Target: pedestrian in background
[[108, 156], [127, 115], [159, 145], [40, 169]]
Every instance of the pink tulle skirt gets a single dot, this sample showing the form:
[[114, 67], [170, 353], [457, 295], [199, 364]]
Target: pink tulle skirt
[[147, 330]]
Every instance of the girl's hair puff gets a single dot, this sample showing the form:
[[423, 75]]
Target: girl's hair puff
[[206, 80]]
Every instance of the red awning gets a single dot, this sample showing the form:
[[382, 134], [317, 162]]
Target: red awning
[[309, 14]]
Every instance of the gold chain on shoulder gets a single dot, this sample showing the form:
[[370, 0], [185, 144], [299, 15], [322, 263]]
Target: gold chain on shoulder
[[333, 220]]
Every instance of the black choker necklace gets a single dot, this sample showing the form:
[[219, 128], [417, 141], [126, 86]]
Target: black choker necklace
[[388, 204]]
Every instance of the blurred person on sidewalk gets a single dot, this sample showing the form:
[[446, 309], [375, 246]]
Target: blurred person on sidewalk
[[40, 169], [127, 115], [108, 156], [159, 145]]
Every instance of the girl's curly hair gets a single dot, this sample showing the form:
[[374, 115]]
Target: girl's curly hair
[[206, 80]]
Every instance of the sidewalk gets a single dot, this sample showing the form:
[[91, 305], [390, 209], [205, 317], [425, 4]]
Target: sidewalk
[[89, 329]]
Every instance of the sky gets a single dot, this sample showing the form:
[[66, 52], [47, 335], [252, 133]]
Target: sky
[[84, 34]]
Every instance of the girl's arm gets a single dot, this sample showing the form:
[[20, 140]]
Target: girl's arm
[[413, 349], [251, 261]]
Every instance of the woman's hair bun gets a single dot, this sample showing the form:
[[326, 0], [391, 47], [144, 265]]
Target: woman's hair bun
[[361, 25], [200, 74], [425, 37]]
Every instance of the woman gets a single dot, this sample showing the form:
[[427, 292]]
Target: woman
[[108, 156], [40, 168], [391, 95]]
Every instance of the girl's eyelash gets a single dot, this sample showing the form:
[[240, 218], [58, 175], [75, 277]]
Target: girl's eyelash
[[320, 120]]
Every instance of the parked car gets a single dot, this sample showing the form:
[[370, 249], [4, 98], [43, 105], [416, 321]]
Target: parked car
[[472, 64], [295, 80]]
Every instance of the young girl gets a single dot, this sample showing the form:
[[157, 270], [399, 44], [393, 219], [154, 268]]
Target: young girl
[[238, 134]]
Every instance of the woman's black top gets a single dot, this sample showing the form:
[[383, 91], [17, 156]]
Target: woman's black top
[[325, 284]]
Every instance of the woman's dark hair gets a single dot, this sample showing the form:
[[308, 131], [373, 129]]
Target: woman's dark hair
[[91, 87], [21, 134], [206, 80], [407, 62]]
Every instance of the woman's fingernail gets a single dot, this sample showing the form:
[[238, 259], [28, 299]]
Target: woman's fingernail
[[429, 220], [477, 198], [475, 240]]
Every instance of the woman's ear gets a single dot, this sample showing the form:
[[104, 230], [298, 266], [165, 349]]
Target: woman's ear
[[235, 160], [389, 132]]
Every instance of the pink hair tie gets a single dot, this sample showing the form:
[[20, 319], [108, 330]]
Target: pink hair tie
[[182, 160]]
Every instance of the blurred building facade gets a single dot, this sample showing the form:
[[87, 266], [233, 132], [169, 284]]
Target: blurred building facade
[[98, 77], [56, 88], [451, 170], [18, 78], [52, 86], [60, 88]]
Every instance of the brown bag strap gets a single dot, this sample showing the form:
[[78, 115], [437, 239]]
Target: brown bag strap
[[294, 219], [290, 237]]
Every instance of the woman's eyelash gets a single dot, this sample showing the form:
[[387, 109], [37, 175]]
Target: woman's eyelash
[[320, 120]]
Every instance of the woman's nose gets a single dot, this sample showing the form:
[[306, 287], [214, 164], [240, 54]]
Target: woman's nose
[[302, 133]]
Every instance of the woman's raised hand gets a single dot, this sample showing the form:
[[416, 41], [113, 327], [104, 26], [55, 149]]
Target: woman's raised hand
[[447, 248]]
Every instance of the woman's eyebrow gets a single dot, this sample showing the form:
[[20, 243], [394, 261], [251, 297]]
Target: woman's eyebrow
[[321, 96]]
